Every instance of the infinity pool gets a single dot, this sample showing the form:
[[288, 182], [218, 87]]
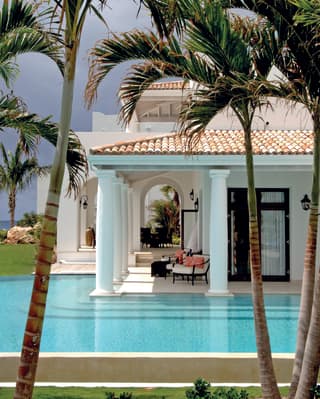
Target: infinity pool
[[76, 322]]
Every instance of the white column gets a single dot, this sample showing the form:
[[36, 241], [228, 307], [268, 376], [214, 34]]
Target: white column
[[104, 234], [117, 228], [124, 207], [131, 257], [130, 221], [205, 211], [218, 233]]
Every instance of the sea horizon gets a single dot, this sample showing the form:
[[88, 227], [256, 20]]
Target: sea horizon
[[4, 224]]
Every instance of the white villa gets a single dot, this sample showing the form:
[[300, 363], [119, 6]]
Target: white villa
[[125, 165]]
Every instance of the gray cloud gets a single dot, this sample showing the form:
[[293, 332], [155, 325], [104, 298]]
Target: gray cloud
[[40, 83]]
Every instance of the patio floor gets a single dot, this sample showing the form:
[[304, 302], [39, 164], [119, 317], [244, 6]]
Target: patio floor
[[139, 279]]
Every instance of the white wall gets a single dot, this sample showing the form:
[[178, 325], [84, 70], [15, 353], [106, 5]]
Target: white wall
[[105, 123]]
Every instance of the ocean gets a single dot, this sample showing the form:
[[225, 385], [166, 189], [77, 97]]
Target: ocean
[[4, 224]]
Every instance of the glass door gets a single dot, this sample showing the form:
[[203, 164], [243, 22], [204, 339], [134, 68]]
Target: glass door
[[273, 213]]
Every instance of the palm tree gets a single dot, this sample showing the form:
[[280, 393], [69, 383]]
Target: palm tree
[[299, 61], [71, 15], [17, 173], [216, 57], [166, 211]]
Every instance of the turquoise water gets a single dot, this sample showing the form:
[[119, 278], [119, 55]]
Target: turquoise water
[[76, 322]]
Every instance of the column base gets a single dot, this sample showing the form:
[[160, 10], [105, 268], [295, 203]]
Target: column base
[[99, 293], [219, 293]]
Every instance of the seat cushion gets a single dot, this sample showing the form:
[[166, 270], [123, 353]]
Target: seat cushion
[[179, 269]]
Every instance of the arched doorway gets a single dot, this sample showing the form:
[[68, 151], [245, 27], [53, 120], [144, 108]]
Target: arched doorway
[[161, 217]]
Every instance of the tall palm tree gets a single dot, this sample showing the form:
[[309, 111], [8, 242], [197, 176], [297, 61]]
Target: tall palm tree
[[300, 63], [16, 173], [215, 56], [72, 15]]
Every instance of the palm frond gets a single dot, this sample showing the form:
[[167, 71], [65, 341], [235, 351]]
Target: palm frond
[[168, 16], [109, 53], [31, 128], [21, 31], [223, 46], [168, 58], [308, 12], [299, 56]]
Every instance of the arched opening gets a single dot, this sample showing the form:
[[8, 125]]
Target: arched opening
[[161, 217], [87, 214]]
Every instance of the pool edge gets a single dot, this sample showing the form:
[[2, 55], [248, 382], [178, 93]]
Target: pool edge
[[147, 367]]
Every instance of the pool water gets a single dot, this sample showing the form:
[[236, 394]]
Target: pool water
[[75, 322]]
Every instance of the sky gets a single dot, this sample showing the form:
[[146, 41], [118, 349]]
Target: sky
[[39, 84]]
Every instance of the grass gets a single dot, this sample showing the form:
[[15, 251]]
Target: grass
[[17, 259], [100, 393]]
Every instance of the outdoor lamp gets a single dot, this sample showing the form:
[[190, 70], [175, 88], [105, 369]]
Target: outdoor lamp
[[305, 202], [191, 195], [196, 204], [84, 201]]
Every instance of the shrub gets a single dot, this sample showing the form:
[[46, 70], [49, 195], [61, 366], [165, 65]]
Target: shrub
[[201, 390], [30, 219], [231, 393], [316, 391], [123, 395], [3, 234]]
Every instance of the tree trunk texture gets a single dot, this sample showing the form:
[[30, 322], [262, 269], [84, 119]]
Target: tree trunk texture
[[33, 332], [307, 291], [267, 375], [304, 375], [12, 206]]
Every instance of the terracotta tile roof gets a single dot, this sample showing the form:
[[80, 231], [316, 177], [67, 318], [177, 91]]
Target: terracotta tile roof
[[170, 85], [216, 142]]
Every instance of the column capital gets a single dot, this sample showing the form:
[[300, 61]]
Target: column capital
[[105, 173], [219, 172]]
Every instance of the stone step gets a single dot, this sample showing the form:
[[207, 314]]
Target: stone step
[[144, 259]]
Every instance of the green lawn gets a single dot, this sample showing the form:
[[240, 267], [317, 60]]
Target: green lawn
[[17, 259], [100, 393]]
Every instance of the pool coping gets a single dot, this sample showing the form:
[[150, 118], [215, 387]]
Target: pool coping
[[147, 367]]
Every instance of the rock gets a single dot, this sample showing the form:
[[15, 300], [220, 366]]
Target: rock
[[20, 235]]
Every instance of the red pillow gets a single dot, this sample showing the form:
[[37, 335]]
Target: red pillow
[[179, 256], [189, 261], [198, 261]]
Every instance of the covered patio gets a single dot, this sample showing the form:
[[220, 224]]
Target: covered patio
[[140, 281]]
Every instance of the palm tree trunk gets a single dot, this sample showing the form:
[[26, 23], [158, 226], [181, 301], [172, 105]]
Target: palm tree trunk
[[307, 290], [12, 206], [311, 358], [267, 375], [33, 332]]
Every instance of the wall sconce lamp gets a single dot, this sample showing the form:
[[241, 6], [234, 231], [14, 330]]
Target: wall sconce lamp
[[191, 195], [196, 204], [305, 202], [84, 201]]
